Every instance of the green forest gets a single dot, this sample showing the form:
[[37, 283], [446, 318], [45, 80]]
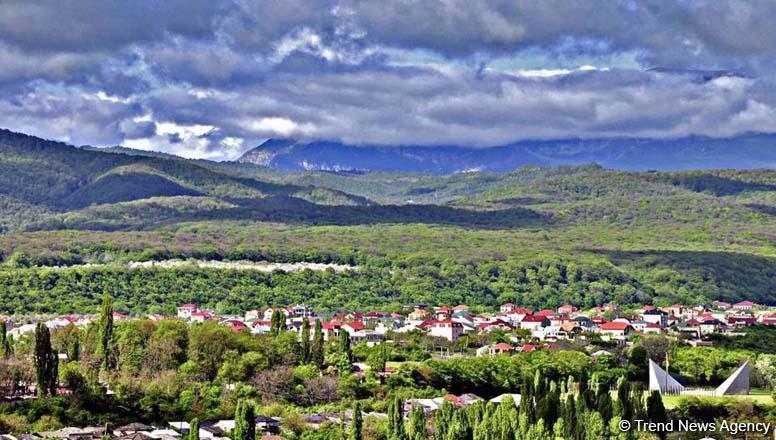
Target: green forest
[[72, 219]]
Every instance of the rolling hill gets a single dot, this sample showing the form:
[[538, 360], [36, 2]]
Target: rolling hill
[[537, 235]]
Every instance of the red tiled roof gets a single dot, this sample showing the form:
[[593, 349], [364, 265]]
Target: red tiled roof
[[503, 346], [614, 326]]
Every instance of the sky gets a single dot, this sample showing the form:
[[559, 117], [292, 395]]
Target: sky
[[214, 78]]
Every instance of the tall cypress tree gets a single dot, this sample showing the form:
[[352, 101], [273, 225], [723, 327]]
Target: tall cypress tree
[[304, 346], [316, 351], [624, 404], [46, 362], [417, 429], [194, 429], [244, 421], [106, 334], [345, 353], [357, 424], [656, 412], [604, 403], [277, 322], [5, 342]]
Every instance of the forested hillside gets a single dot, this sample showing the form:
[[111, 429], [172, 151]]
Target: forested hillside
[[538, 236]]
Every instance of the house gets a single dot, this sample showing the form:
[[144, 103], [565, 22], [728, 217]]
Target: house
[[616, 329], [507, 308], [443, 312], [744, 305], [709, 326], [741, 321], [484, 327], [201, 316], [302, 311], [235, 325], [418, 315], [566, 309], [655, 316], [652, 328], [500, 348], [252, 315], [446, 328], [532, 322], [185, 311], [721, 305], [352, 327]]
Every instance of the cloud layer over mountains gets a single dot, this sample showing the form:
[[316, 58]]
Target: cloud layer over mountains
[[204, 78]]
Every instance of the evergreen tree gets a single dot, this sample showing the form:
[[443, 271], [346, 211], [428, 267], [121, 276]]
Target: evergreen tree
[[46, 362], [569, 417], [395, 429], [5, 341], [244, 421], [417, 427], [527, 400], [604, 403], [316, 351], [624, 405], [637, 364], [548, 407], [345, 353], [459, 428], [194, 429], [595, 428], [106, 334], [357, 425], [656, 412], [442, 419], [277, 323]]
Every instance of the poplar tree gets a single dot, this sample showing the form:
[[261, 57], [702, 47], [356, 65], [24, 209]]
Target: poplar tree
[[357, 424], [244, 421], [316, 351], [656, 412], [345, 353], [46, 362], [194, 429], [5, 341], [106, 334], [417, 427], [624, 404]]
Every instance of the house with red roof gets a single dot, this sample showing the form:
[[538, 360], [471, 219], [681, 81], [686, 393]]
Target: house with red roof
[[202, 316], [500, 348], [235, 325], [616, 329], [566, 309], [446, 328], [744, 305], [499, 324], [532, 322]]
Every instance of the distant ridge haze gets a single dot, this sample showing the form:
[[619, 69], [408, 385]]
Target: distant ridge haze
[[741, 152]]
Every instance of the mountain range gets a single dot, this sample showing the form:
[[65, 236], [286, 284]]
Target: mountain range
[[741, 152]]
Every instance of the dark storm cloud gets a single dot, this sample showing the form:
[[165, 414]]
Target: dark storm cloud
[[211, 78]]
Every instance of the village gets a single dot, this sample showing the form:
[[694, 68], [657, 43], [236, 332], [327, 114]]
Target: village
[[522, 330], [529, 329]]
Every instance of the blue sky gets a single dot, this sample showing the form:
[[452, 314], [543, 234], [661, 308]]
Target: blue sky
[[211, 79]]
